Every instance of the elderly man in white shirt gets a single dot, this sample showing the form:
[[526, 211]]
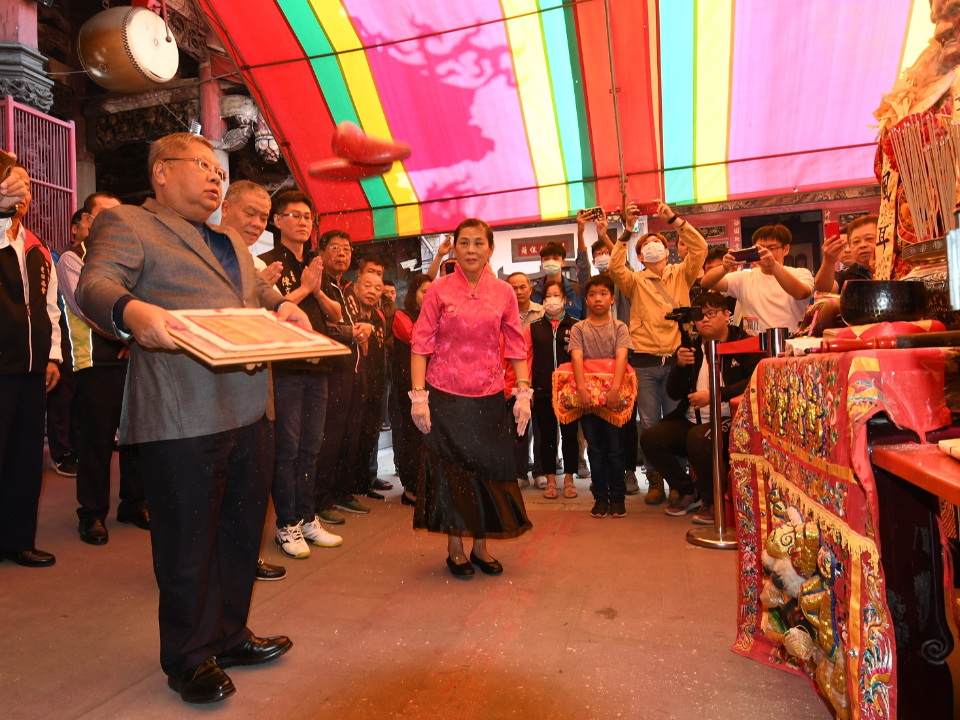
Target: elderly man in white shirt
[[29, 359]]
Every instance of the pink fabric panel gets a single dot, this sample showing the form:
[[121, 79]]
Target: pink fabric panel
[[453, 97], [787, 93]]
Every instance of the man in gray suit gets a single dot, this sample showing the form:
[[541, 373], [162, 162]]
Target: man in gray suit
[[203, 436]]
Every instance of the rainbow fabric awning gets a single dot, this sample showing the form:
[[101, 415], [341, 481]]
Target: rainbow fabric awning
[[509, 104]]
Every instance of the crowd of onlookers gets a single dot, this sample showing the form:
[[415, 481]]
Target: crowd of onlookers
[[87, 343], [328, 415]]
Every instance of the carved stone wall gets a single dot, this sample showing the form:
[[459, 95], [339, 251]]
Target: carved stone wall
[[22, 76]]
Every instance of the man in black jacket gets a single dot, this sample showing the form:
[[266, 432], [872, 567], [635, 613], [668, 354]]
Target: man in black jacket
[[686, 431]]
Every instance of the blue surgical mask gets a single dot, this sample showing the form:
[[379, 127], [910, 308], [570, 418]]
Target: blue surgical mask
[[602, 262], [551, 267]]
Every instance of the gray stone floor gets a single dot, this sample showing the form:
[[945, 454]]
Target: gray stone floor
[[592, 619]]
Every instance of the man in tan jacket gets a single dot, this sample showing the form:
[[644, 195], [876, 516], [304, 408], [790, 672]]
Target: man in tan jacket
[[654, 292]]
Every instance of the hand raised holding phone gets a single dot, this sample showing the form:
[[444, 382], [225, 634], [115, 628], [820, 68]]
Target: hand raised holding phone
[[13, 189]]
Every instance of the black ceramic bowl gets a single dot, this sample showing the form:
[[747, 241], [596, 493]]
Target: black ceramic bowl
[[873, 301]]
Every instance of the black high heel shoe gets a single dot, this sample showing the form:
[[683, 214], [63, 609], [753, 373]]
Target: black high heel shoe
[[463, 572], [490, 568], [404, 500]]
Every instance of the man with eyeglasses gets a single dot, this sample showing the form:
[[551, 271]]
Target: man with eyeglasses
[[299, 386], [203, 434], [685, 432], [100, 366], [340, 446], [773, 293]]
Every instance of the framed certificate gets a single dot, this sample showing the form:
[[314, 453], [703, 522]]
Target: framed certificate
[[241, 336]]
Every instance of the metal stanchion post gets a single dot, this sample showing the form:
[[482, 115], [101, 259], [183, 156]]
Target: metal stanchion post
[[718, 537]]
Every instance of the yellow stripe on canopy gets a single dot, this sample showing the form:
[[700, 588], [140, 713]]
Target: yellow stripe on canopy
[[714, 37], [536, 101], [336, 24], [918, 34]]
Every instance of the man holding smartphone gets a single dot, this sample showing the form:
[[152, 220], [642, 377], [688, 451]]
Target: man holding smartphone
[[654, 292], [860, 239], [777, 295]]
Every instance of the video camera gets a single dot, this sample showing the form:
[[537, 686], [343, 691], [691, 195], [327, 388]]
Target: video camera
[[685, 315]]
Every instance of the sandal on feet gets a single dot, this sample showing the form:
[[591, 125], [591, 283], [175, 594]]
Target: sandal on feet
[[550, 492], [569, 491]]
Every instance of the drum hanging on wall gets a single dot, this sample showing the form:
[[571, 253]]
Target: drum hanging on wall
[[125, 49]]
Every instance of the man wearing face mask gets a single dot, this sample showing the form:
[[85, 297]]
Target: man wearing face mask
[[654, 292], [552, 256]]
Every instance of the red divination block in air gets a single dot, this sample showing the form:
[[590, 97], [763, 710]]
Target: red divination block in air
[[352, 143], [342, 169]]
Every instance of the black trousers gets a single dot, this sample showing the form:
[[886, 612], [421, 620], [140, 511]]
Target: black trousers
[[207, 498], [21, 459], [667, 441], [63, 414], [547, 422], [407, 439], [100, 399], [340, 439], [369, 407]]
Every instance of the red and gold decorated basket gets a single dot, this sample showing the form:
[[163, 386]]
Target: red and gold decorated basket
[[599, 378]]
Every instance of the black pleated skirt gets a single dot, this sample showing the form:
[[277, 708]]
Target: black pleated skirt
[[467, 484]]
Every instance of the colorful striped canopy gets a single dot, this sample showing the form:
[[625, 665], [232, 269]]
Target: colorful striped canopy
[[509, 104]]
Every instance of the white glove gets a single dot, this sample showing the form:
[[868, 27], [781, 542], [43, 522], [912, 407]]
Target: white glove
[[521, 408], [420, 410]]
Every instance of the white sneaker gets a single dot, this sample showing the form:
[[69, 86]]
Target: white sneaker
[[314, 533], [291, 543], [541, 481], [523, 481]]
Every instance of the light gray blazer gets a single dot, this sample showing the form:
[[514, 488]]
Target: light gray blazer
[[157, 256]]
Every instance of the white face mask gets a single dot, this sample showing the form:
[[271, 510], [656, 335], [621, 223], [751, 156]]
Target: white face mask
[[653, 252], [602, 263], [553, 306], [551, 267]]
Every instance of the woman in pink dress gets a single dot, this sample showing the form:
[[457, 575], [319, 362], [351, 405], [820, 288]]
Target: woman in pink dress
[[467, 485]]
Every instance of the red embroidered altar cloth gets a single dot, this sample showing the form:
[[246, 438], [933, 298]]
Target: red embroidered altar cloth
[[806, 510]]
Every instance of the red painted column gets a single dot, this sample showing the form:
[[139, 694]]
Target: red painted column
[[212, 125], [18, 22]]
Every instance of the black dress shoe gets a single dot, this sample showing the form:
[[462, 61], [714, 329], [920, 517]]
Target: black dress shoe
[[378, 484], [255, 651], [93, 531], [490, 568], [206, 683], [406, 500], [140, 518], [463, 572], [265, 571], [30, 558], [374, 495]]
